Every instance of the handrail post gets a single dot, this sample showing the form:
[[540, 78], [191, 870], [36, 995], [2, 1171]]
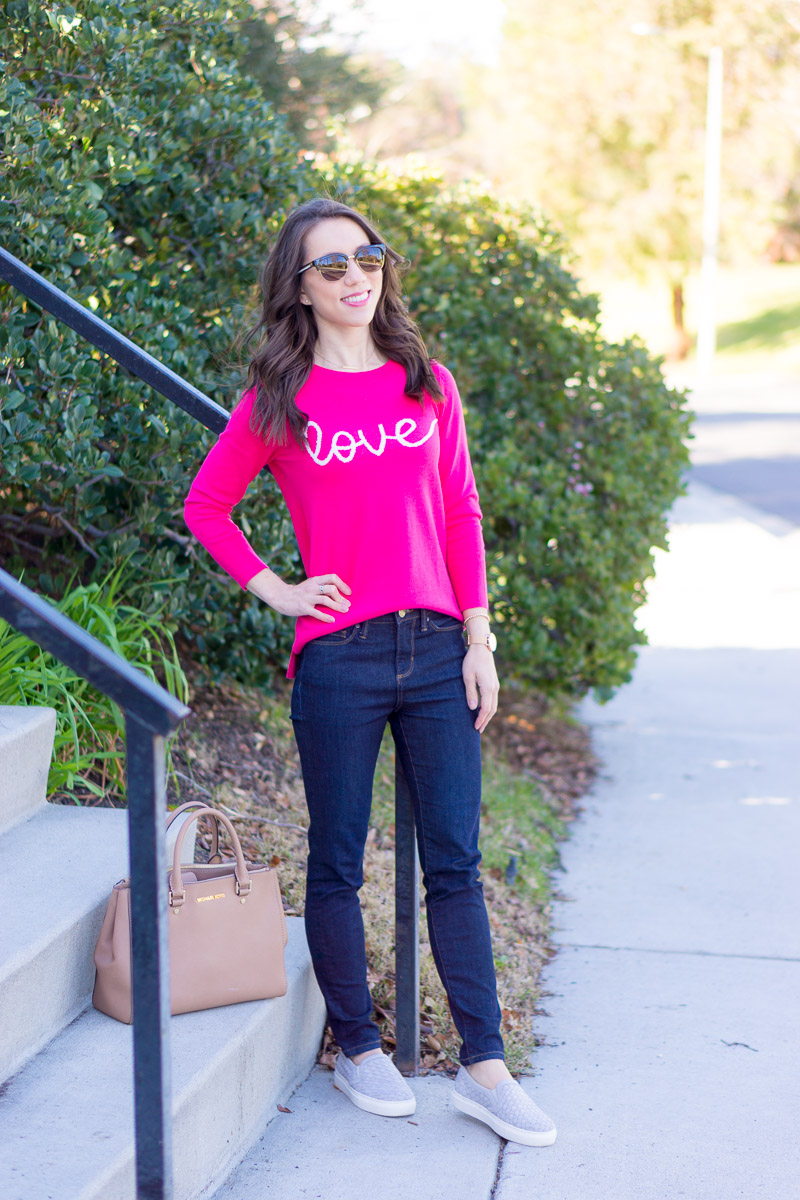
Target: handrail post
[[150, 962], [406, 909]]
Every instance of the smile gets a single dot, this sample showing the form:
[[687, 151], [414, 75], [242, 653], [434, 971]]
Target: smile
[[357, 300]]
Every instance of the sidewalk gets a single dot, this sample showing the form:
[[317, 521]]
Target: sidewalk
[[671, 1063]]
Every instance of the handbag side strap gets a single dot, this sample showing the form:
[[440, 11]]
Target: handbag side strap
[[177, 893], [176, 812]]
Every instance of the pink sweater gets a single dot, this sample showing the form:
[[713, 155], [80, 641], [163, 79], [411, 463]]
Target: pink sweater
[[382, 493]]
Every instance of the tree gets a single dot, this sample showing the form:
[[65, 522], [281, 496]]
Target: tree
[[605, 130], [312, 84]]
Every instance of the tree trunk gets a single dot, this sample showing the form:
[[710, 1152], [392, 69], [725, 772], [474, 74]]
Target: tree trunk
[[680, 341]]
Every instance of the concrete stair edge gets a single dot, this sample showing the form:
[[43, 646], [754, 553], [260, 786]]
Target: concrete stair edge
[[27, 733], [68, 1113], [66, 1074], [283, 1058], [48, 938]]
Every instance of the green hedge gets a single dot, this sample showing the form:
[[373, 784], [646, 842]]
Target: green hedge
[[146, 179], [577, 444]]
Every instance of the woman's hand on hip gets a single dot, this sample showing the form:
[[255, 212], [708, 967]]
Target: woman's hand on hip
[[301, 599], [480, 676]]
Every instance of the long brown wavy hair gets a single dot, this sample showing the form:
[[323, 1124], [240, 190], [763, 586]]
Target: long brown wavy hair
[[286, 330]]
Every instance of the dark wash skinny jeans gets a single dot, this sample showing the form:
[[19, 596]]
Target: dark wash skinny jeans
[[405, 669]]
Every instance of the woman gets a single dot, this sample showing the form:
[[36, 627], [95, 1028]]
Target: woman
[[365, 437]]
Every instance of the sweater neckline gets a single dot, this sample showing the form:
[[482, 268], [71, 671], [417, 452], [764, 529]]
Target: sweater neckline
[[370, 371]]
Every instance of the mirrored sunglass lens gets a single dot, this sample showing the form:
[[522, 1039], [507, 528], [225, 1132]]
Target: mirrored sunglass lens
[[332, 265], [370, 257]]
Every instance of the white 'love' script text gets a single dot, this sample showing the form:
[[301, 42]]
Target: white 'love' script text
[[343, 445]]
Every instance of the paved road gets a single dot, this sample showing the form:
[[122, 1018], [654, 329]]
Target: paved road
[[747, 441]]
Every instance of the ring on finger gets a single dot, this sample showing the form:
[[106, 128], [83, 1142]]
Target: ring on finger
[[322, 588]]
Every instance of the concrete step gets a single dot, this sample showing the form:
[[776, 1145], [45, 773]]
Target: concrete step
[[26, 747], [67, 1118], [56, 872]]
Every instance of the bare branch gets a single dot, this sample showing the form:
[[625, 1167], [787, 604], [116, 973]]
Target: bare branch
[[231, 812]]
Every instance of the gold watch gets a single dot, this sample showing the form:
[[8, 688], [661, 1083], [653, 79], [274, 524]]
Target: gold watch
[[488, 639]]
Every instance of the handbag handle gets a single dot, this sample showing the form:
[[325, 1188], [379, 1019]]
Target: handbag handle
[[176, 812], [177, 895]]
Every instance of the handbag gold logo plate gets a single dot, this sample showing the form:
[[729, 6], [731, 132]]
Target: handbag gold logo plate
[[217, 896]]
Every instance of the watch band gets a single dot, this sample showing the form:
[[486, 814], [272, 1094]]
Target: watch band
[[488, 639]]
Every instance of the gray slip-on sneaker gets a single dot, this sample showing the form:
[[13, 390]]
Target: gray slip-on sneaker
[[375, 1085], [506, 1109]]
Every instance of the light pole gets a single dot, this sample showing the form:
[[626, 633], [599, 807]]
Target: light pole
[[707, 321], [707, 324]]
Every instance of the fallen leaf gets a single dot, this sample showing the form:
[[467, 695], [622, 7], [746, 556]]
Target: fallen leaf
[[282, 1108]]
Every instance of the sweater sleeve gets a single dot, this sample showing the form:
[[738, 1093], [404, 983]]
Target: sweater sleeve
[[227, 471], [466, 558]]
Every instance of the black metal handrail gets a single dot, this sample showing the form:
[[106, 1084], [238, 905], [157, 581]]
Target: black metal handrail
[[150, 713], [97, 331]]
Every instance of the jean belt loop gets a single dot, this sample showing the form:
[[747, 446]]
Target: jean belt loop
[[362, 633], [423, 620]]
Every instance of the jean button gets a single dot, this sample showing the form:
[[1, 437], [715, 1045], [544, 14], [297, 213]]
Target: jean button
[[402, 612]]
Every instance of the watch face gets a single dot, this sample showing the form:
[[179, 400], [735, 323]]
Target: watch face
[[492, 643]]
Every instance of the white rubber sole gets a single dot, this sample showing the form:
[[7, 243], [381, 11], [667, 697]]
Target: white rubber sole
[[381, 1108], [511, 1133]]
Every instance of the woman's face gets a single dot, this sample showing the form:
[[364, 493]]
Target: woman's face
[[350, 301]]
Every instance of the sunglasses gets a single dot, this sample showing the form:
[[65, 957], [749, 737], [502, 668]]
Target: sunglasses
[[334, 266]]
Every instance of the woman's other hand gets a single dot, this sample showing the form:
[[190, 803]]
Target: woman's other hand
[[480, 678], [301, 599]]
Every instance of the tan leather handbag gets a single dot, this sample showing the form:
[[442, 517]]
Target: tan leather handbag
[[227, 932], [214, 854]]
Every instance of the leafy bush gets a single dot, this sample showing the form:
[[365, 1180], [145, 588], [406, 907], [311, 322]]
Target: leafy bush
[[147, 179], [89, 752], [577, 444], [145, 175]]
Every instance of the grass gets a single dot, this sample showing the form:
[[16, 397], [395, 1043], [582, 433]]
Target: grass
[[772, 331], [237, 751], [88, 762], [757, 306]]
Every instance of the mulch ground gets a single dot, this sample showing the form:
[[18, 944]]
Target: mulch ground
[[236, 750]]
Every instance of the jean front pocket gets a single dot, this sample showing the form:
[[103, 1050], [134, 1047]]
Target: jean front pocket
[[443, 622], [336, 637]]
